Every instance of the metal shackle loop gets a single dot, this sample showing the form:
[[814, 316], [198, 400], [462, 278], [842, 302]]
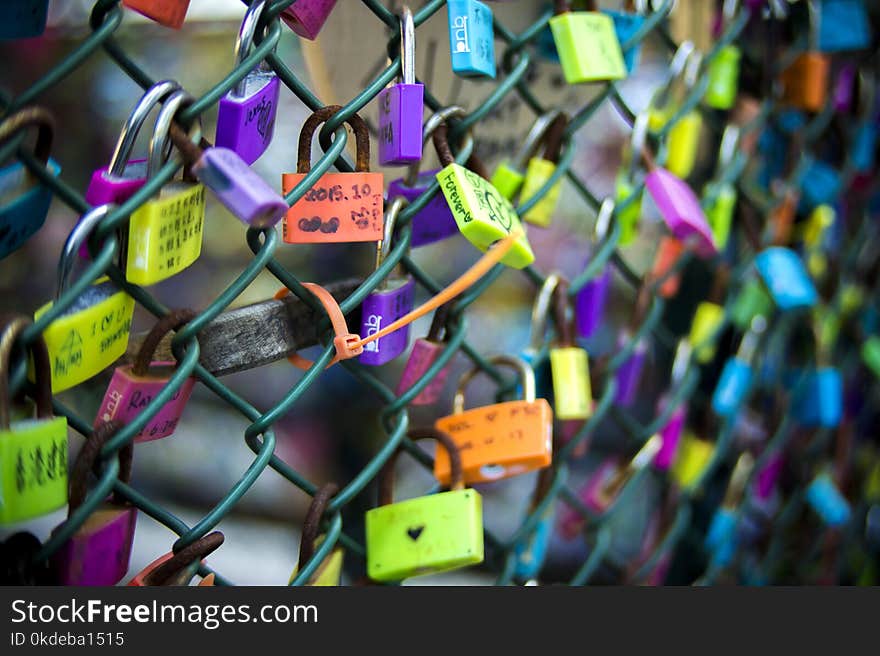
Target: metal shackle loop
[[384, 247], [43, 396], [174, 320], [27, 117], [77, 237], [437, 119], [245, 39], [361, 136], [312, 522], [87, 458], [540, 312], [407, 46], [527, 379], [160, 141], [603, 220], [534, 139], [386, 474]]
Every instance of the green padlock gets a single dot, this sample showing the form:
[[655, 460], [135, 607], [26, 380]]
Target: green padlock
[[510, 174], [539, 171], [753, 300], [425, 535], [723, 69], [871, 354], [587, 44], [483, 215], [626, 183], [719, 196]]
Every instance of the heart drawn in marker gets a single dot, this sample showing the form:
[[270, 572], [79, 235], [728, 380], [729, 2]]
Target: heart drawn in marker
[[414, 533]]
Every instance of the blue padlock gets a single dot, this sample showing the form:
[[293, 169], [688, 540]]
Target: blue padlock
[[721, 538], [471, 38], [627, 23], [820, 185], [736, 377], [24, 202], [23, 19], [826, 500], [786, 278], [531, 553], [842, 25], [864, 146], [820, 401]]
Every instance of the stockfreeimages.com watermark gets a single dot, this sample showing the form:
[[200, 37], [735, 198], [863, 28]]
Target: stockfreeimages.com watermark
[[210, 616]]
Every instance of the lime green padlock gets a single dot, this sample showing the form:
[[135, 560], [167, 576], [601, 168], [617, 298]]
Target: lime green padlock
[[871, 354], [482, 214], [683, 144], [691, 461], [539, 171], [723, 75], [625, 184], [719, 195], [425, 535], [587, 44], [94, 332], [33, 452], [508, 178], [752, 301], [569, 364]]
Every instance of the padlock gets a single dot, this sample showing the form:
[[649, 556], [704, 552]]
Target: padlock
[[177, 568], [627, 23], [23, 19], [471, 38], [24, 201], [786, 278], [674, 88], [99, 551], [693, 457], [538, 173], [827, 501], [572, 395], [531, 553], [590, 303], [402, 104], [805, 82], [165, 233], [708, 319], [307, 17], [425, 352], [821, 185], [719, 199], [425, 535], [870, 352], [723, 69], [863, 144], [133, 386], [681, 211], [587, 44], [820, 401], [683, 140], [340, 207], [483, 215], [670, 436], [169, 13], [536, 352], [94, 330], [393, 299], [329, 571], [752, 301], [629, 374], [844, 88], [669, 251], [841, 25], [508, 178], [630, 211], [767, 477], [434, 222], [499, 440], [736, 377], [33, 452], [246, 114], [721, 538]]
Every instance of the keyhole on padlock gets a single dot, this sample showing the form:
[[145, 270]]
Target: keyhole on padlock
[[492, 471], [414, 533]]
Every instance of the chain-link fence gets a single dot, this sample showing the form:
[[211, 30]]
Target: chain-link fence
[[779, 538]]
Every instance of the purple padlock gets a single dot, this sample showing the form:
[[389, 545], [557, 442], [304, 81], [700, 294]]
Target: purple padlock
[[765, 480], [630, 372], [246, 115], [670, 435], [844, 85], [435, 221], [307, 17], [590, 303], [681, 210], [401, 105]]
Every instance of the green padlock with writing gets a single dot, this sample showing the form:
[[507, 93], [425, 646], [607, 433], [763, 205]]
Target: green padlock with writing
[[425, 535]]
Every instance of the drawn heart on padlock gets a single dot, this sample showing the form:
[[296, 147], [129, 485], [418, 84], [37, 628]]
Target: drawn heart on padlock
[[315, 224], [415, 532]]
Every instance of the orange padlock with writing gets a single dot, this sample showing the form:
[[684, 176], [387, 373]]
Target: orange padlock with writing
[[500, 440]]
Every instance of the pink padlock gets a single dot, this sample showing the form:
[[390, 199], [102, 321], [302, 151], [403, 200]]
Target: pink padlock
[[307, 17], [134, 386], [594, 495], [425, 352], [681, 210], [99, 551]]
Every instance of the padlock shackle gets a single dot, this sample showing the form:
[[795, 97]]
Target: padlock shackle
[[564, 6], [174, 320], [384, 245], [555, 137], [183, 558], [386, 474], [437, 119], [132, 126], [245, 39], [312, 523], [87, 460], [603, 220], [438, 322], [12, 330], [536, 136], [77, 237], [160, 140], [562, 316], [407, 45], [680, 362], [739, 478], [361, 136], [678, 68], [527, 379], [540, 311], [25, 118]]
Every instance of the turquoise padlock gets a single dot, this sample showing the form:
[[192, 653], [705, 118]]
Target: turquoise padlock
[[841, 25], [786, 278], [531, 554], [820, 185], [820, 403], [736, 377], [827, 501], [721, 539], [471, 38], [626, 24]]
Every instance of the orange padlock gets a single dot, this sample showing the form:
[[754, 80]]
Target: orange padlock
[[500, 440], [340, 207], [169, 13], [669, 251], [178, 568], [805, 82]]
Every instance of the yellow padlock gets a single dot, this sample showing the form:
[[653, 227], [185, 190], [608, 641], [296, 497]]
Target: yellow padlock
[[708, 319], [539, 171], [94, 331], [508, 178], [569, 364], [693, 457]]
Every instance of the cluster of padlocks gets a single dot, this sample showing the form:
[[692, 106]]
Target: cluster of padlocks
[[788, 246]]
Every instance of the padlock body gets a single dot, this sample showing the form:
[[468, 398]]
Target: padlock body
[[628, 216], [826, 500], [707, 319], [843, 25], [33, 468], [89, 337], [483, 215], [680, 209], [140, 579], [721, 539], [870, 352], [751, 302], [435, 221], [864, 146], [307, 17], [329, 572], [670, 437], [723, 78], [23, 19], [732, 388], [537, 174], [531, 554], [246, 124], [590, 302], [471, 38], [498, 441], [572, 396], [820, 403], [668, 252], [380, 309], [239, 188], [629, 375], [400, 124], [507, 180], [169, 13], [424, 354], [425, 535], [128, 394], [805, 81], [340, 207], [626, 24], [821, 186], [719, 213], [693, 457], [24, 204], [99, 552], [786, 278], [165, 234], [588, 47], [684, 142]]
